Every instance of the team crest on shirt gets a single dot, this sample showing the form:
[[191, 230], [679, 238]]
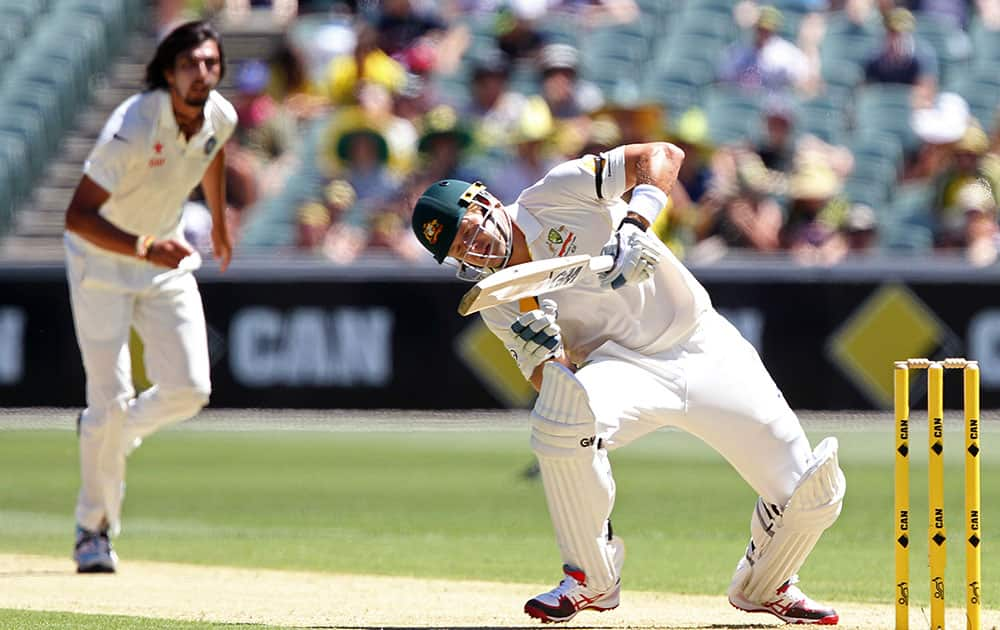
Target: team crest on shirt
[[210, 144], [432, 229], [157, 159], [560, 241]]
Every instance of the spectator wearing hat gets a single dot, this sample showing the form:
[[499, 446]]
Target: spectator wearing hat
[[360, 185], [980, 234], [777, 145], [903, 58], [399, 26], [769, 61], [418, 37], [266, 128], [970, 163], [345, 74], [494, 109], [414, 100], [816, 212], [690, 133], [938, 127], [677, 225], [570, 99], [602, 135], [443, 141], [290, 83], [739, 209], [530, 160], [379, 107], [597, 13], [516, 29], [356, 150], [857, 235], [640, 119], [567, 95], [859, 230], [319, 220]]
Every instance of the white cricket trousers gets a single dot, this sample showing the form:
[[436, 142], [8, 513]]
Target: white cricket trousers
[[713, 386], [109, 296]]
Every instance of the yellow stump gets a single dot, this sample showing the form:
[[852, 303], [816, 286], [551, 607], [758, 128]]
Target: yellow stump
[[935, 495], [902, 493], [973, 577]]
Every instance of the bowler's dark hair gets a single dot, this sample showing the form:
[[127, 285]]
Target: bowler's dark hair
[[185, 37]]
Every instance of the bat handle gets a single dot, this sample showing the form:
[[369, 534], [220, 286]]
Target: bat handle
[[603, 263]]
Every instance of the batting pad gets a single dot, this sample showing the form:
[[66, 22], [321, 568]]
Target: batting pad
[[780, 551], [576, 474]]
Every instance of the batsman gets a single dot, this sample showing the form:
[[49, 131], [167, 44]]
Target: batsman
[[628, 351]]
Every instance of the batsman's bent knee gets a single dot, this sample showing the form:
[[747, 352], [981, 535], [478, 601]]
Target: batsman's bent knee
[[815, 504]]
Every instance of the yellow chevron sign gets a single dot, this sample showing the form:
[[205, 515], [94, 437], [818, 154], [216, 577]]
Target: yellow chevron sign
[[489, 360], [890, 325]]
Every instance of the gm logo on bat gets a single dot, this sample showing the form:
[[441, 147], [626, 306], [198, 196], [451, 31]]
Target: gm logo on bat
[[565, 277]]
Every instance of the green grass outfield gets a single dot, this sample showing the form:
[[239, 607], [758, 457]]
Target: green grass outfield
[[23, 619], [454, 503]]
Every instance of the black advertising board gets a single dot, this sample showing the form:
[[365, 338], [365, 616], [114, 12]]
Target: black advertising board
[[315, 338]]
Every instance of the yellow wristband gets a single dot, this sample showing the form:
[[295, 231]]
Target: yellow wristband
[[142, 244]]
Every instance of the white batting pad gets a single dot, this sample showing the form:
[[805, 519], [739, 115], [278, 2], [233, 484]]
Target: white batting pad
[[781, 544], [576, 474]]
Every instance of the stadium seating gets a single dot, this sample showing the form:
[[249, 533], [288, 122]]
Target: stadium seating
[[907, 222], [884, 107], [823, 117], [985, 46], [50, 52], [981, 90], [676, 94], [15, 168], [733, 114]]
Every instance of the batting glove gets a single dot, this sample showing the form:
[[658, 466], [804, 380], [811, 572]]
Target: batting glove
[[534, 337], [636, 256]]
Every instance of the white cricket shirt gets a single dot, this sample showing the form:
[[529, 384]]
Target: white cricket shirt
[[574, 209], [143, 159]]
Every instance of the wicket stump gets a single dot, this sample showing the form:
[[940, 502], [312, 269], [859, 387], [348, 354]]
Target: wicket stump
[[936, 535]]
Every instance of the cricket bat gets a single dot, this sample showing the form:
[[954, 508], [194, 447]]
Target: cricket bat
[[531, 279]]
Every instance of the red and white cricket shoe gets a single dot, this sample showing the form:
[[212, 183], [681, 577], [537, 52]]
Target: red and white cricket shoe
[[789, 604], [573, 595], [570, 597]]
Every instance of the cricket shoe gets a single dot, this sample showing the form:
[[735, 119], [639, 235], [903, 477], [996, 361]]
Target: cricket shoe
[[573, 595], [93, 552], [789, 604]]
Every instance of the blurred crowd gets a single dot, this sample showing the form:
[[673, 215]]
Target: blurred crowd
[[379, 99]]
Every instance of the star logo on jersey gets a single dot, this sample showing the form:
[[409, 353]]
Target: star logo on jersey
[[432, 229], [158, 159]]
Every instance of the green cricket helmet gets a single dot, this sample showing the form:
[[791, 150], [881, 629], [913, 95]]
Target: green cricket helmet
[[438, 213]]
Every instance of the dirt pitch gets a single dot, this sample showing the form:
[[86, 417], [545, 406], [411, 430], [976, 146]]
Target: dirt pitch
[[304, 599]]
